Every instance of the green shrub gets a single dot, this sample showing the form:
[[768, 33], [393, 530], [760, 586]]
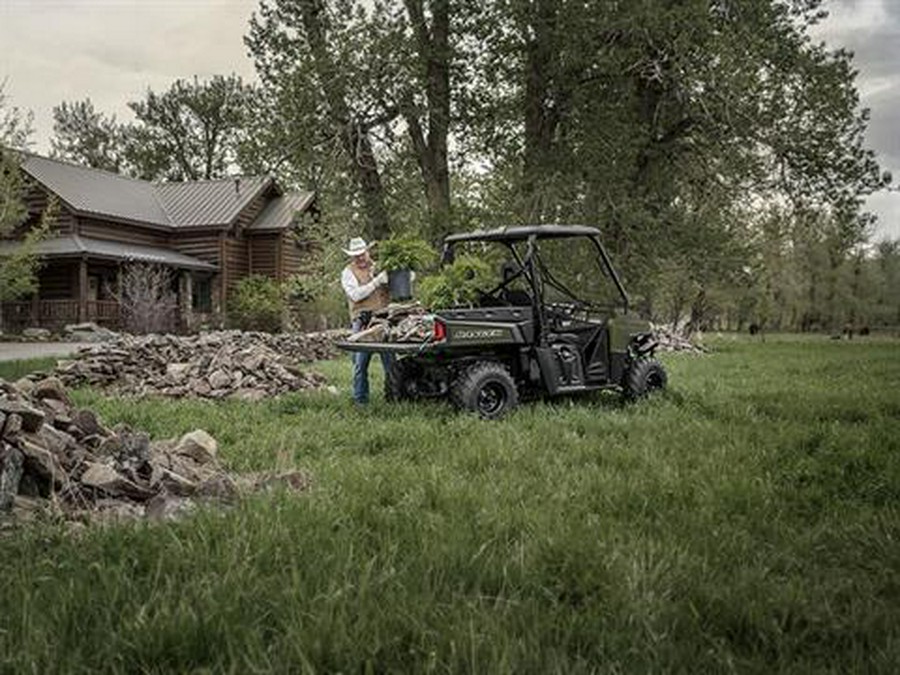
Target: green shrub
[[457, 284], [257, 304]]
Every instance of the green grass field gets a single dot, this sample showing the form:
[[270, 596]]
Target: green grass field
[[745, 521]]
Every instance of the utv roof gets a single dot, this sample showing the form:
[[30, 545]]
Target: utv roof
[[521, 232]]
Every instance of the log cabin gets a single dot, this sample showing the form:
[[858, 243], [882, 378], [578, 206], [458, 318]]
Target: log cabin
[[210, 233]]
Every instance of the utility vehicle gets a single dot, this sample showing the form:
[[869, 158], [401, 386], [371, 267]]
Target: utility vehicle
[[556, 322]]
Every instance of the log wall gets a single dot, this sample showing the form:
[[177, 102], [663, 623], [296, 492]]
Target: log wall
[[202, 245], [128, 234]]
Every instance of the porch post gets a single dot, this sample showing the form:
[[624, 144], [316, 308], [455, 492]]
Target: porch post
[[82, 290], [120, 314], [186, 296]]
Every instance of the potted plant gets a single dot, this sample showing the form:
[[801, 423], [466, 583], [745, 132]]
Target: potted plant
[[399, 256]]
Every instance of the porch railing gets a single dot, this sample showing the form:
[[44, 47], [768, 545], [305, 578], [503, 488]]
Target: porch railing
[[54, 314]]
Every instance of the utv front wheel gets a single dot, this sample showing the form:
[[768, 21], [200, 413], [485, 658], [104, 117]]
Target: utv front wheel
[[644, 376], [486, 388]]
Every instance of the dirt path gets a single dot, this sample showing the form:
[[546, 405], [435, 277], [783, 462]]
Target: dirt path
[[16, 351]]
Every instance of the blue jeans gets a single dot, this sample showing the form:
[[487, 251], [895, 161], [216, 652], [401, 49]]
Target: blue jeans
[[361, 368]]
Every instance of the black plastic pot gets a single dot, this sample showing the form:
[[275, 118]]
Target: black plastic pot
[[400, 284]]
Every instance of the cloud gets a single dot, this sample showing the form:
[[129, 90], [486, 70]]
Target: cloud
[[871, 30], [113, 50]]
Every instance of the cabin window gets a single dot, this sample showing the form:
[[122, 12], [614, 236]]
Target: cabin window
[[202, 296]]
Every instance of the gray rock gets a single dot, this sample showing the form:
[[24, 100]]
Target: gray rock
[[88, 332], [32, 418], [11, 461], [198, 445], [36, 333], [42, 462], [105, 478], [86, 421], [200, 387], [51, 388], [219, 379], [12, 426], [177, 373], [24, 385]]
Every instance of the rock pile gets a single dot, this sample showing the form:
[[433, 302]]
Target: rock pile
[[223, 364], [56, 456], [670, 341]]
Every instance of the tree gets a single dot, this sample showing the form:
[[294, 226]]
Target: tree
[[85, 136], [191, 131], [323, 64], [18, 270]]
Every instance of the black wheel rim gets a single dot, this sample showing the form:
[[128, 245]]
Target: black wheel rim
[[654, 381], [491, 398]]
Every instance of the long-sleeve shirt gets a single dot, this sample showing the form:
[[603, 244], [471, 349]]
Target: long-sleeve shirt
[[356, 291]]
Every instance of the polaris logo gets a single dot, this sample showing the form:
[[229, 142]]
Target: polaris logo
[[481, 334]]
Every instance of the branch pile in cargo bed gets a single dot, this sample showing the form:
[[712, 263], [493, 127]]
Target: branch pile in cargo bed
[[408, 322], [57, 458], [224, 364]]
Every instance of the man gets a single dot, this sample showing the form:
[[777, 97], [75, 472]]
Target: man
[[366, 293]]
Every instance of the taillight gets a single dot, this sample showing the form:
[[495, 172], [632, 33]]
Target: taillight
[[438, 331]]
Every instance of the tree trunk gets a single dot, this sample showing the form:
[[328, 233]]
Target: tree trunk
[[354, 136], [433, 47], [541, 106]]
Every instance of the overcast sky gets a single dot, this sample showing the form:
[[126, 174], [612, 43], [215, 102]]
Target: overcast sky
[[113, 50]]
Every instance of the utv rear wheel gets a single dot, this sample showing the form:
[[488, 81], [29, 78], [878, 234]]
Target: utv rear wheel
[[400, 381], [485, 388], [644, 376]]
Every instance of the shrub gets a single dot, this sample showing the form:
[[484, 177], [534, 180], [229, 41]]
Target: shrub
[[456, 284], [257, 304]]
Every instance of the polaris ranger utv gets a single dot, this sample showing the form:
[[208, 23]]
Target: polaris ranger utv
[[556, 322]]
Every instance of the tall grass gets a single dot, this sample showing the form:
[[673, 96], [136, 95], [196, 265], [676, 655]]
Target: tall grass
[[13, 370], [747, 521]]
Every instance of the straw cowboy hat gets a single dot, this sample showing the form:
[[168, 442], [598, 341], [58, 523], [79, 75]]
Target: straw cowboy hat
[[358, 246]]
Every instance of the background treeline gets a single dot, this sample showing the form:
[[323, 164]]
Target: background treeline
[[716, 145]]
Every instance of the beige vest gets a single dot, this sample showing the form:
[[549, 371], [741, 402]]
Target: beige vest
[[378, 299]]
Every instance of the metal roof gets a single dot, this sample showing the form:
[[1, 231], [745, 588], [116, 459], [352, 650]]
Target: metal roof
[[208, 202], [101, 193], [520, 232], [174, 206], [78, 246], [281, 212]]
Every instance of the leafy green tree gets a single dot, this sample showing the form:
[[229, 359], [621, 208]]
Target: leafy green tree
[[85, 136], [191, 131], [18, 270]]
